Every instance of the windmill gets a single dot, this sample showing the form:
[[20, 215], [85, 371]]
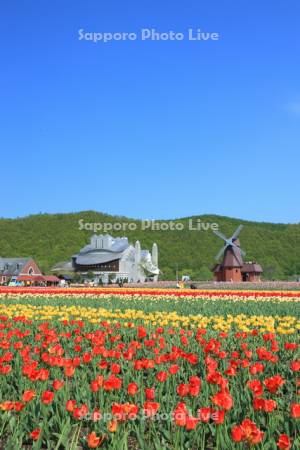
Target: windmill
[[230, 269], [231, 242]]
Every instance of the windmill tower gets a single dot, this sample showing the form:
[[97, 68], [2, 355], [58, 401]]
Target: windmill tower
[[231, 267]]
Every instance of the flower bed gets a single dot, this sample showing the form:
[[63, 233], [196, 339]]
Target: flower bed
[[209, 293], [90, 372]]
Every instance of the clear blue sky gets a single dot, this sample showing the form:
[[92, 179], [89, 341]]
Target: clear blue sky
[[151, 129]]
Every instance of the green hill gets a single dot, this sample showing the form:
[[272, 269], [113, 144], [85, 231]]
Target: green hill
[[51, 238]]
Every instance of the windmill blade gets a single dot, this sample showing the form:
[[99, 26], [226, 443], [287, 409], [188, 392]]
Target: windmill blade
[[239, 248], [221, 235], [221, 252], [237, 232]]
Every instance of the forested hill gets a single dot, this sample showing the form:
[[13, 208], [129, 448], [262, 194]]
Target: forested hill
[[51, 238]]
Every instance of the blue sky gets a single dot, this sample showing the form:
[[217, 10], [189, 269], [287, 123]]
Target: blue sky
[[151, 129]]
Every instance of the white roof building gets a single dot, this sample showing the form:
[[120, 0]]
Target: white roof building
[[108, 255]]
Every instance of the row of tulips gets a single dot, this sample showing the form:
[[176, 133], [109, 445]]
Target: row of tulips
[[209, 293], [281, 324]]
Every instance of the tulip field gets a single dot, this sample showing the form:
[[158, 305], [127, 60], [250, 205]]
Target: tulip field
[[149, 369]]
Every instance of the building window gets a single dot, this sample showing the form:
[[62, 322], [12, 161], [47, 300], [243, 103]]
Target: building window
[[30, 271]]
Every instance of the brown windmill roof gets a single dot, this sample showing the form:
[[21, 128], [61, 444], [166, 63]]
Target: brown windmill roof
[[252, 267]]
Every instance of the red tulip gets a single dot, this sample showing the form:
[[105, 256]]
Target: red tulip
[[182, 390], [47, 397], [115, 368], [174, 369], [161, 376], [87, 358], [35, 434], [80, 412], [124, 411], [18, 406], [237, 433], [191, 423], [256, 368], [70, 405], [284, 442], [58, 384], [150, 393], [96, 415], [150, 408], [193, 390], [256, 387], [112, 426], [290, 346], [112, 383], [273, 383], [69, 371], [28, 395], [247, 431], [205, 414], [218, 416], [295, 365], [93, 440], [264, 405], [223, 400], [132, 389], [94, 386], [295, 410], [180, 414]]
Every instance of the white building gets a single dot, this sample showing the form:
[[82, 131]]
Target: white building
[[116, 256]]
